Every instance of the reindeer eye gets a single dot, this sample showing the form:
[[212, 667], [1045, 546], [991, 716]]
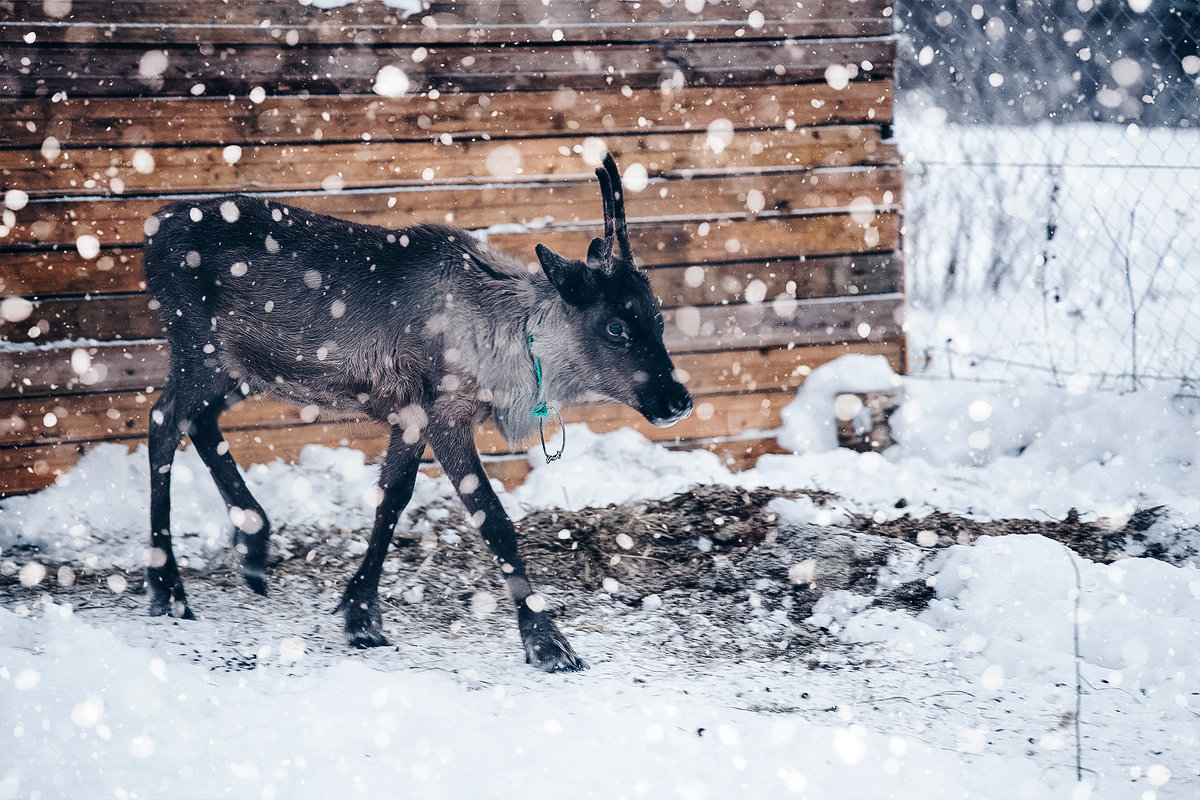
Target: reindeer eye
[[616, 329]]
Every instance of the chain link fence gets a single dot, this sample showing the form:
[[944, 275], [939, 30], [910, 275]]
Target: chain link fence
[[1053, 190]]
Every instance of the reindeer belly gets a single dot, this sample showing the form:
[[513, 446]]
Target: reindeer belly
[[291, 374]]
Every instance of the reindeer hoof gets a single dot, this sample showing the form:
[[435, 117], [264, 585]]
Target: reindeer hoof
[[364, 627], [256, 580], [171, 607], [253, 548], [365, 639], [167, 597], [545, 647], [364, 623]]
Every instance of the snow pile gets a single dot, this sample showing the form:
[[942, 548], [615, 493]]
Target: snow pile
[[970, 687], [141, 725], [597, 469], [1006, 610], [980, 450], [95, 514], [994, 452], [809, 421], [1005, 620]]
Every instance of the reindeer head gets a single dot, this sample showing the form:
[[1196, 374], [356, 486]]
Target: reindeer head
[[614, 325]]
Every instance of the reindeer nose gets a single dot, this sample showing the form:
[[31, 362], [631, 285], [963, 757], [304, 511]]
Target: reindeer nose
[[680, 406]]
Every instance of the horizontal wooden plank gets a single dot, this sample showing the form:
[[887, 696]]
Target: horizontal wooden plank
[[74, 418], [794, 322], [104, 317], [113, 122], [128, 316], [715, 415], [28, 468], [97, 417], [765, 242], [43, 273], [729, 283], [116, 367], [772, 369], [717, 418], [38, 468], [94, 417], [70, 368], [142, 366], [105, 171], [783, 319], [765, 239], [366, 24], [82, 71], [118, 221]]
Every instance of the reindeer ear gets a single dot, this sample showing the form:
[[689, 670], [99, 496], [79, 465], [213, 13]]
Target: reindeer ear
[[599, 256], [575, 280]]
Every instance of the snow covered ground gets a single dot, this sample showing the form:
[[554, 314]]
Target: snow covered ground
[[973, 694]]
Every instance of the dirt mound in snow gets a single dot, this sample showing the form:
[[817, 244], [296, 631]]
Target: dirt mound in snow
[[710, 574], [711, 538], [652, 546], [1104, 540]]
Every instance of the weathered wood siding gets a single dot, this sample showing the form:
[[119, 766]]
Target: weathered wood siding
[[770, 220]]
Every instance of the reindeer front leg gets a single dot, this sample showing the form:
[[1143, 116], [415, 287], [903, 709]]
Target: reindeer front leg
[[360, 603], [454, 446]]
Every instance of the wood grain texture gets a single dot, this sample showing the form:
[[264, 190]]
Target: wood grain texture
[[96, 171], [95, 416], [72, 368], [129, 316], [83, 71], [45, 273], [774, 250], [120, 222], [663, 248], [782, 319], [368, 24], [117, 367], [796, 322], [765, 239], [25, 469], [572, 111]]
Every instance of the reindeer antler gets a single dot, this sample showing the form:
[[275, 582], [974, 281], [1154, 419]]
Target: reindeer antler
[[615, 200], [606, 196], [600, 251]]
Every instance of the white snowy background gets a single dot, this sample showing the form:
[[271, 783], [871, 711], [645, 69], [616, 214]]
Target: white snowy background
[[975, 696], [1109, 295]]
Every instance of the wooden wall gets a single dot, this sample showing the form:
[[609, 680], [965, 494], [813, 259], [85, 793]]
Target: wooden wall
[[769, 220]]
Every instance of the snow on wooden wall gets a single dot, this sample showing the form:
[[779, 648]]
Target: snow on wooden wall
[[764, 192]]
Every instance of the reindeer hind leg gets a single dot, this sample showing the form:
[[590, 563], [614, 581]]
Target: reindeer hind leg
[[170, 416], [251, 527]]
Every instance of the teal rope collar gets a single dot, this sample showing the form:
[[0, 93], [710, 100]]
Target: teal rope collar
[[543, 410]]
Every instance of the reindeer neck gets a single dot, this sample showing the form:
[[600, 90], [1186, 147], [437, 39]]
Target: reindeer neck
[[505, 313]]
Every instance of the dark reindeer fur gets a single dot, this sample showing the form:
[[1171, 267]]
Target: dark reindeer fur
[[422, 328]]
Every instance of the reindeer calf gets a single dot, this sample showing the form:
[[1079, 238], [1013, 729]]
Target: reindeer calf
[[422, 328]]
